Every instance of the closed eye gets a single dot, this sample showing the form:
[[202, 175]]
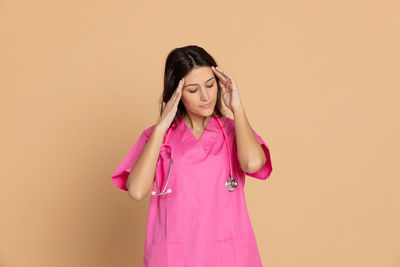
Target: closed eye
[[208, 86]]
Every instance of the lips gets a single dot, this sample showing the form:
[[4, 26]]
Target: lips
[[206, 105]]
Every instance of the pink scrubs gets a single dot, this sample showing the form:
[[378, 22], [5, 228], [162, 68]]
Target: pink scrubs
[[200, 223]]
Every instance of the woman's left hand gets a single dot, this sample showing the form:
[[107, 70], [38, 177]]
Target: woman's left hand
[[230, 93]]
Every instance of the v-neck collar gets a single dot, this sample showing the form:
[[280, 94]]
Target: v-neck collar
[[186, 128]]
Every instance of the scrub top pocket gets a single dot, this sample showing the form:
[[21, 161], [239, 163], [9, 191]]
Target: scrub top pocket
[[166, 255]]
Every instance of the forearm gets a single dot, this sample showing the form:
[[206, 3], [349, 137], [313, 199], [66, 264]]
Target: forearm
[[250, 153], [140, 179]]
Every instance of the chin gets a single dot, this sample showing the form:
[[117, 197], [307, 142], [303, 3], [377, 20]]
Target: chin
[[207, 113]]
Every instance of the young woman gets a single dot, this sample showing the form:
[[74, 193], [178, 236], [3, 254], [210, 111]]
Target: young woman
[[197, 214]]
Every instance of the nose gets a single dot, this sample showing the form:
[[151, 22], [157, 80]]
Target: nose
[[203, 94]]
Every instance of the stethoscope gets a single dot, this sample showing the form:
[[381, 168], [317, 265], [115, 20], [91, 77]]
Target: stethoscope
[[230, 183]]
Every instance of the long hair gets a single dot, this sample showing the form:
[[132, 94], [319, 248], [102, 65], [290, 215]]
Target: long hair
[[180, 61]]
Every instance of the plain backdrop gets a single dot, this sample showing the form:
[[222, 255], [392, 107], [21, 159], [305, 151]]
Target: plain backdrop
[[319, 81]]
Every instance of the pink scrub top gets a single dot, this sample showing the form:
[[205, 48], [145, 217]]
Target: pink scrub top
[[200, 223]]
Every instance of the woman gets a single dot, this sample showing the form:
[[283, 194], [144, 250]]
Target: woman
[[194, 219]]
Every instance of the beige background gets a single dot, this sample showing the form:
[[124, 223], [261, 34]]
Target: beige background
[[319, 81]]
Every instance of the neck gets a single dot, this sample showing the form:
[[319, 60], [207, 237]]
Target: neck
[[196, 122]]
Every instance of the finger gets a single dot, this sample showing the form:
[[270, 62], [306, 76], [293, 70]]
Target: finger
[[180, 85], [223, 82], [220, 75], [222, 85], [178, 91], [182, 82], [163, 104], [178, 96], [228, 78], [225, 74], [218, 70]]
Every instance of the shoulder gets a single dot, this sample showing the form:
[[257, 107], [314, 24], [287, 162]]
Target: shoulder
[[148, 130], [227, 123]]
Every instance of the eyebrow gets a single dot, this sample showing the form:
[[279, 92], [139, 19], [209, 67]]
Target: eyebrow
[[197, 83]]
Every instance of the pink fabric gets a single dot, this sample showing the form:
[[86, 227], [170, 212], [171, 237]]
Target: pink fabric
[[200, 223]]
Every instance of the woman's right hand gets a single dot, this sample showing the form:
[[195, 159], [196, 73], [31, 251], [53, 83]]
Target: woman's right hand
[[169, 109]]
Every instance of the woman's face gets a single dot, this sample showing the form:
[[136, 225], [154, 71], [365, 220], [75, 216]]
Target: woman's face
[[200, 87]]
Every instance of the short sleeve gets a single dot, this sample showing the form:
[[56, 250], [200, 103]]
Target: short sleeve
[[120, 175], [264, 172]]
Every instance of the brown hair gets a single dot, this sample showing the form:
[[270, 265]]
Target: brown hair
[[180, 61]]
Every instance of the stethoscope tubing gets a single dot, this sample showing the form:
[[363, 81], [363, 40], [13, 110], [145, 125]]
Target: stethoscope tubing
[[165, 144]]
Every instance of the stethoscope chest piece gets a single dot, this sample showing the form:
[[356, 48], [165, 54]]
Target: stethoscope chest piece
[[231, 184]]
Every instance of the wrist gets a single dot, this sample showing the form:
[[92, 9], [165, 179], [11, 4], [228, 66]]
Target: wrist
[[159, 127], [237, 109]]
